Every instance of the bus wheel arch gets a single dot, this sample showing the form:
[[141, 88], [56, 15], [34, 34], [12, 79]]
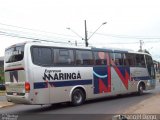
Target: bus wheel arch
[[77, 96], [141, 87]]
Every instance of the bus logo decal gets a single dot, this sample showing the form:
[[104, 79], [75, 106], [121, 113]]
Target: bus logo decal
[[100, 76], [58, 75], [48, 77]]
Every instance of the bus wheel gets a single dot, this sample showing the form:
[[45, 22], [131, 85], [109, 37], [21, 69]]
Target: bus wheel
[[140, 89], [78, 97]]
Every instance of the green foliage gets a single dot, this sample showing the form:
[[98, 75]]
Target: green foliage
[[2, 75]]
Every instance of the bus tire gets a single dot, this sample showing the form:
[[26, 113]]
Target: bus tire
[[78, 97], [140, 89]]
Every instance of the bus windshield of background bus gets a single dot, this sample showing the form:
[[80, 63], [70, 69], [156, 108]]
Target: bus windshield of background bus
[[14, 54]]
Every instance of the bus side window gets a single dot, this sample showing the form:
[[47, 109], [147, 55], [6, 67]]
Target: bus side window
[[79, 60], [150, 66], [63, 57], [140, 62], [118, 59], [130, 57], [42, 56], [126, 62], [111, 58], [84, 57], [100, 58]]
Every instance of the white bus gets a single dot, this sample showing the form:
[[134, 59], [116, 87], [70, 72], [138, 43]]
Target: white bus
[[46, 73]]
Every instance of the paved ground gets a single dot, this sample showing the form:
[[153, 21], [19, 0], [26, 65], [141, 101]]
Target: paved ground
[[131, 104], [102, 106], [114, 105]]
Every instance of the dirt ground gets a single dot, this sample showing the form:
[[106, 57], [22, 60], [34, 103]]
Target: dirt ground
[[5, 104], [148, 106]]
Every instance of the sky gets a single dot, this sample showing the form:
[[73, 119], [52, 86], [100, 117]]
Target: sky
[[128, 22]]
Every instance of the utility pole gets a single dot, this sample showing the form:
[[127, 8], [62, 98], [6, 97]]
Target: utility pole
[[86, 35], [86, 38], [141, 43], [76, 43]]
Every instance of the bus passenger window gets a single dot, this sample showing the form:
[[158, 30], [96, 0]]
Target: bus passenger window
[[140, 62], [150, 66], [63, 57], [100, 58], [111, 56], [42, 56], [118, 59], [84, 57], [126, 62], [116, 62], [130, 57]]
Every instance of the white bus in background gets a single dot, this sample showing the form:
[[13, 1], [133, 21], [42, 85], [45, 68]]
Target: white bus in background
[[46, 73]]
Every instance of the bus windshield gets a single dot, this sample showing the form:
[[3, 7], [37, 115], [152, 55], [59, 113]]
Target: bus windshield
[[14, 54]]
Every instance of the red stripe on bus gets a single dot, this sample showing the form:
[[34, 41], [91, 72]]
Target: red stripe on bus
[[125, 78], [13, 69]]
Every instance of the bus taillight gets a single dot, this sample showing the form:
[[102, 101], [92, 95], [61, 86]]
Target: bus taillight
[[27, 87]]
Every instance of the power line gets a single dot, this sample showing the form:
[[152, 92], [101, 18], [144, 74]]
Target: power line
[[35, 30], [23, 33], [127, 36], [108, 35], [31, 38], [37, 39]]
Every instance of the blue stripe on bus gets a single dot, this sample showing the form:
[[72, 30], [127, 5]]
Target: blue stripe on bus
[[39, 85], [142, 78]]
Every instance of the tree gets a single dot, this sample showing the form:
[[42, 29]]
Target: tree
[[1, 75]]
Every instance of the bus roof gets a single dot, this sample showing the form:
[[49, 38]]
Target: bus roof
[[65, 45]]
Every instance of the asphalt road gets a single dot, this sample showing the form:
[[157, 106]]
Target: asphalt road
[[112, 105]]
